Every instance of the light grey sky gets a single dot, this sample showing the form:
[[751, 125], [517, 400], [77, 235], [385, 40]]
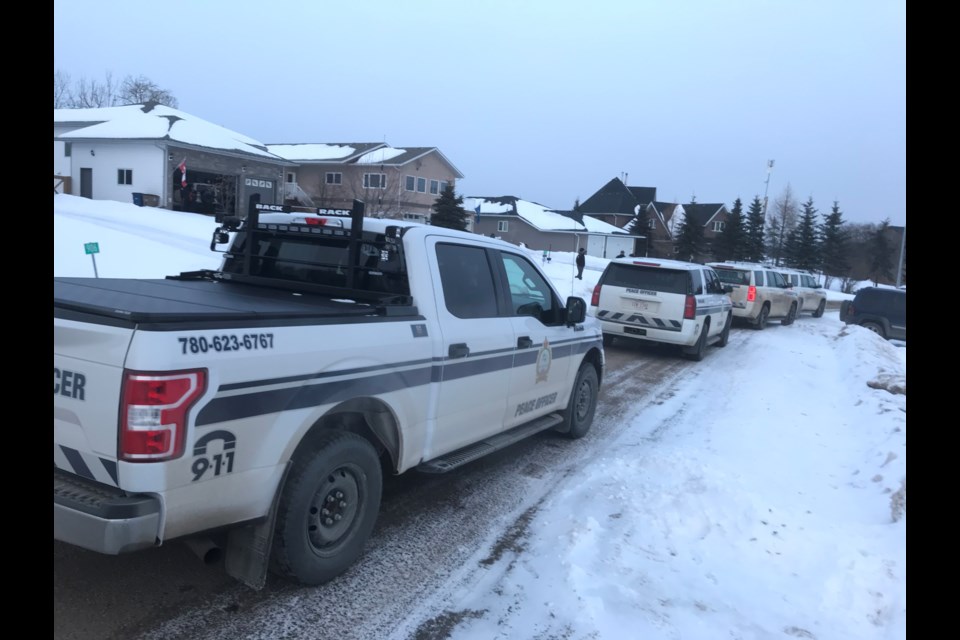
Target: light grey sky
[[546, 100]]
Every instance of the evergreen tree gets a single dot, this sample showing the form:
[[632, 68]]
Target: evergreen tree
[[690, 241], [881, 267], [802, 250], [640, 222], [731, 243], [754, 231], [448, 211], [833, 244]]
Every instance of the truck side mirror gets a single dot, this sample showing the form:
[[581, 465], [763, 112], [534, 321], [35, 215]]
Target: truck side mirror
[[576, 310]]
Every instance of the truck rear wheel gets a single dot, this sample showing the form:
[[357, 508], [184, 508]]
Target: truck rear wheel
[[578, 416], [328, 508]]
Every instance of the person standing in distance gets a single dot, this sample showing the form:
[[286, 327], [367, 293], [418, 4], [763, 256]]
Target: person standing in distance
[[581, 262]]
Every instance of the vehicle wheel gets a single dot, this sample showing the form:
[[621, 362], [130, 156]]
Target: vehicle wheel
[[876, 328], [820, 309], [578, 416], [791, 315], [328, 508], [696, 354], [725, 334], [607, 339], [761, 321]]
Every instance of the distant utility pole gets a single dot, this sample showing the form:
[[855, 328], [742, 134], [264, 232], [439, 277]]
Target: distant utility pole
[[766, 187]]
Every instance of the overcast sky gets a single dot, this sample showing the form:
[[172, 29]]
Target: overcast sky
[[546, 100]]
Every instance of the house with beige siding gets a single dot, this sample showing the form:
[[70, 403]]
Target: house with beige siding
[[400, 183]]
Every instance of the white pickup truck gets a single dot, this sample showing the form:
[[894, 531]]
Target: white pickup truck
[[252, 411]]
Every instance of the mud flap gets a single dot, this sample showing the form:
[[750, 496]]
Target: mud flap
[[248, 548]]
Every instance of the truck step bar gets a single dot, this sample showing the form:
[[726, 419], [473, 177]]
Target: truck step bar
[[477, 450]]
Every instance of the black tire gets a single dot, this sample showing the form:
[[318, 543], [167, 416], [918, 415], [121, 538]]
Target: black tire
[[761, 322], [725, 334], [607, 339], [876, 328], [696, 354], [578, 416], [337, 468], [820, 309], [791, 315]]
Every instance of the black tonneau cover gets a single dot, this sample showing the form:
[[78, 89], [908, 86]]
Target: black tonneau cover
[[166, 301]]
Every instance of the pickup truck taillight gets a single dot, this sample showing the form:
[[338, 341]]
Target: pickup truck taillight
[[153, 413], [690, 308], [595, 298], [751, 294]]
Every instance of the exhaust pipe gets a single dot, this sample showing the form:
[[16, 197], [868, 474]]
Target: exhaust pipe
[[205, 549]]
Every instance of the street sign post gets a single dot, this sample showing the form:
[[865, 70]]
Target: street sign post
[[91, 249]]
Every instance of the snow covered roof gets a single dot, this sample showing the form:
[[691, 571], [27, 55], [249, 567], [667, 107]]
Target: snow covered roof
[[536, 215], [153, 121], [323, 152], [371, 153]]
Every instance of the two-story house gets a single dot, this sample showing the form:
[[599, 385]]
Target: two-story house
[[400, 183]]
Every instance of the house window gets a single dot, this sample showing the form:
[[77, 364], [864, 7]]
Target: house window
[[443, 185], [290, 178], [718, 226], [434, 187], [67, 149], [651, 223], [124, 176], [410, 183], [374, 181], [334, 177], [421, 185], [502, 226]]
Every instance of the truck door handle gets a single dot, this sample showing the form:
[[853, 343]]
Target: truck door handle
[[524, 342], [459, 350]]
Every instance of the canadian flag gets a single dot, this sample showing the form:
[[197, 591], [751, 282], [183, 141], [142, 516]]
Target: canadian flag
[[183, 173]]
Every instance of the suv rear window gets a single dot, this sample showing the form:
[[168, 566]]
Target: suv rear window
[[652, 278], [733, 276]]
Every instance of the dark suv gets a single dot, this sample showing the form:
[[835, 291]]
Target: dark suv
[[883, 311]]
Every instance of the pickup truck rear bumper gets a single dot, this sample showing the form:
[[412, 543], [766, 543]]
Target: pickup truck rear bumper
[[101, 518]]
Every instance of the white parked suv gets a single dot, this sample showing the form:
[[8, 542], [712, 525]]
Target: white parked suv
[[759, 293], [668, 301], [813, 297]]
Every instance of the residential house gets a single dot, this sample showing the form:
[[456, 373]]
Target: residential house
[[537, 227], [156, 155], [637, 211], [657, 224], [392, 182]]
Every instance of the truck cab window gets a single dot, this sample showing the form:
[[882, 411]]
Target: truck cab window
[[467, 281], [530, 294]]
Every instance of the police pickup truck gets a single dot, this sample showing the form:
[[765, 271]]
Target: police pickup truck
[[252, 411]]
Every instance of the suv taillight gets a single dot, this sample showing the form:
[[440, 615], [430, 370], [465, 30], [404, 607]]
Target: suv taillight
[[595, 298], [690, 308], [153, 413], [751, 294]]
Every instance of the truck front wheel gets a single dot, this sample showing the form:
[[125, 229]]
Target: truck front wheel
[[578, 415], [328, 508]]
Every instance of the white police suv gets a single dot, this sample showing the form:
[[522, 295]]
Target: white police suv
[[668, 301]]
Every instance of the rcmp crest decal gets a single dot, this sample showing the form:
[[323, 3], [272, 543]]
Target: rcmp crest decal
[[544, 359]]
